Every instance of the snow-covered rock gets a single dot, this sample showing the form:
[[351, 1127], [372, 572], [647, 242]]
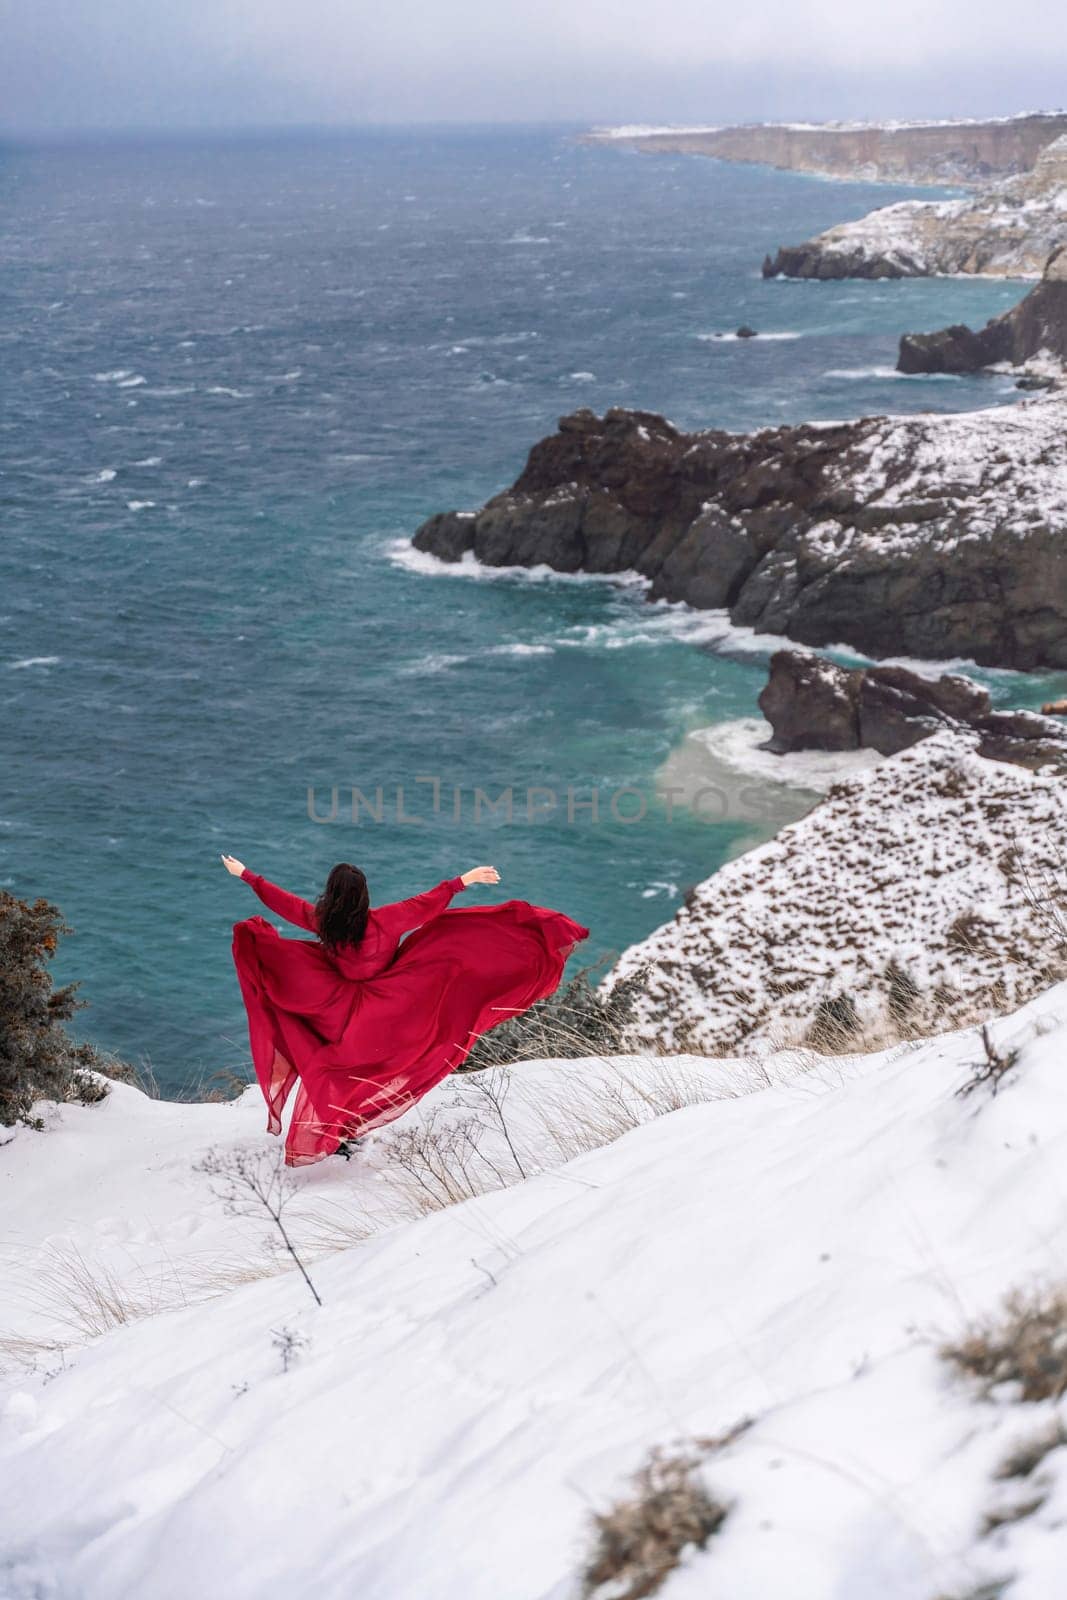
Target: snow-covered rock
[[1009, 230], [478, 1381], [930, 536], [908, 889]]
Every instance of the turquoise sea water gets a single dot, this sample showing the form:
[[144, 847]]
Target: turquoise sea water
[[236, 376]]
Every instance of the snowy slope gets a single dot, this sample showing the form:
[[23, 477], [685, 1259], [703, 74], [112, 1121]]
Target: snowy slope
[[480, 1379], [925, 862]]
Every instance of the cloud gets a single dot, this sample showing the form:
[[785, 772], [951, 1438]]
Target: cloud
[[190, 62]]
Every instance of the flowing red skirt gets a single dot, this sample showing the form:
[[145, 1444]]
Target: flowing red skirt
[[365, 1050]]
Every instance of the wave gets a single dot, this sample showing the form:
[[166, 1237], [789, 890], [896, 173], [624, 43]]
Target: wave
[[857, 374], [402, 553], [105, 475], [34, 661], [232, 394], [133, 382], [463, 341], [113, 377], [434, 662], [520, 650], [139, 505], [656, 622], [149, 461], [581, 377]]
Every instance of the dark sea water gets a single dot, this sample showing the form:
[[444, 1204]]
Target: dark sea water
[[236, 375]]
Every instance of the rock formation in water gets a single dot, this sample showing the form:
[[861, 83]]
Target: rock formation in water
[[815, 704], [1008, 231], [929, 536], [1034, 331], [963, 152]]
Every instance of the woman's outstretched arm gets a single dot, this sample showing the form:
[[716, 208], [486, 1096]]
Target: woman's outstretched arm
[[403, 915], [290, 906]]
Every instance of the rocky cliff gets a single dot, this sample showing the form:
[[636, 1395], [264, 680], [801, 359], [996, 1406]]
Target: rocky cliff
[[815, 704], [1032, 334], [929, 536], [961, 152], [1008, 231]]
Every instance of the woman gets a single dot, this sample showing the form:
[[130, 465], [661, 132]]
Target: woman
[[366, 1023]]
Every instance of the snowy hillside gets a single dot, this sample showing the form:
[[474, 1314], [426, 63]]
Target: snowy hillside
[[481, 1380], [908, 889]]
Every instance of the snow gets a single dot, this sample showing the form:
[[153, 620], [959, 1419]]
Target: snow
[[1008, 230], [922, 862], [480, 1379], [986, 471], [639, 130]]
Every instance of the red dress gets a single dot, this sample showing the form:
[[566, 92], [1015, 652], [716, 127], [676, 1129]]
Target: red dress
[[369, 1028]]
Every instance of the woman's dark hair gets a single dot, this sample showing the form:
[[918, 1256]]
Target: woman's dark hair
[[342, 907]]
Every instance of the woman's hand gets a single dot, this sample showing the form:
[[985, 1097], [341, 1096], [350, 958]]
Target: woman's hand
[[232, 864], [481, 875]]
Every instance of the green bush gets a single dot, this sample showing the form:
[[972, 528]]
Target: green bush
[[38, 1058]]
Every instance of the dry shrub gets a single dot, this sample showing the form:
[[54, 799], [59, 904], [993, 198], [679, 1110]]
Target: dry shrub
[[641, 1540], [579, 1019], [1025, 1344], [1024, 1458], [992, 1070], [995, 1589]]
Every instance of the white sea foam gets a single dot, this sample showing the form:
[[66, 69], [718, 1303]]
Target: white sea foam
[[232, 394], [857, 374], [33, 661], [402, 553], [520, 650], [105, 475], [139, 505], [149, 461], [741, 745], [715, 338], [113, 377], [133, 382], [582, 377]]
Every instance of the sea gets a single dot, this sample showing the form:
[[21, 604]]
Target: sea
[[237, 372]]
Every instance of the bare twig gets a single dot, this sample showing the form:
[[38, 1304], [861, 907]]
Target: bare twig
[[249, 1179]]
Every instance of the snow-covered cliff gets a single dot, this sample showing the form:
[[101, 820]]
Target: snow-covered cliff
[[906, 894], [1008, 230]]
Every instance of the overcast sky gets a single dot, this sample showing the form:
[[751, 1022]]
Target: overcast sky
[[210, 63]]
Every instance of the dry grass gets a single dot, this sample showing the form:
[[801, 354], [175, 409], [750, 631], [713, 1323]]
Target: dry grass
[[474, 1147], [452, 1154], [85, 1298], [640, 1541], [579, 1019], [1025, 1345]]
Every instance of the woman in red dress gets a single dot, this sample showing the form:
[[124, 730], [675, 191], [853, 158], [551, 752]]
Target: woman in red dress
[[368, 1023]]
